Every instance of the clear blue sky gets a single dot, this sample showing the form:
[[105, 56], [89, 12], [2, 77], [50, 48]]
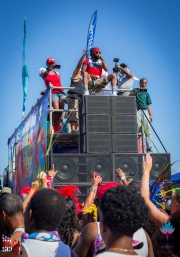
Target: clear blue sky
[[143, 34]]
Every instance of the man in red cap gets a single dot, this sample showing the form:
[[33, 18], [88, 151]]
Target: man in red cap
[[92, 72]]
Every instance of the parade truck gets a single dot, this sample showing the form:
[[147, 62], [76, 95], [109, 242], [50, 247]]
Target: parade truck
[[107, 140]]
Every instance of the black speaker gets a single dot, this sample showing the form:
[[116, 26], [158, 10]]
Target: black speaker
[[124, 124], [92, 123], [94, 105], [96, 143], [125, 105], [124, 143], [76, 168], [132, 163]]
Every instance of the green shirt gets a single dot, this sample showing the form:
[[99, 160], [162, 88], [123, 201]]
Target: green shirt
[[143, 98]]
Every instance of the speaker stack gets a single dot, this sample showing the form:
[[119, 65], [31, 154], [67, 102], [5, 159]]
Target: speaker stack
[[108, 140], [108, 124]]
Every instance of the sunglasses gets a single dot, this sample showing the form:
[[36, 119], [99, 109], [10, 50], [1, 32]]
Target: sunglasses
[[97, 52]]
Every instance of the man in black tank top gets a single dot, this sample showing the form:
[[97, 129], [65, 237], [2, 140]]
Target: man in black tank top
[[74, 95]]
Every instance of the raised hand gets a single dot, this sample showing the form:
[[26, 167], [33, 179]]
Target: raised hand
[[147, 163], [43, 179], [52, 172], [35, 185], [96, 179], [84, 52], [120, 173]]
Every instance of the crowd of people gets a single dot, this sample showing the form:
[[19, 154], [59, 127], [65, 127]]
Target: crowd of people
[[116, 219], [92, 75]]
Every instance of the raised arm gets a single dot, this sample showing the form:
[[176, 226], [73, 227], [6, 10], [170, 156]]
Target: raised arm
[[34, 187], [92, 192], [158, 217], [78, 67], [121, 175], [125, 71]]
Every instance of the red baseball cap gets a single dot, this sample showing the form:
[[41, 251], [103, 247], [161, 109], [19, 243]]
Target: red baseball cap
[[95, 49], [50, 60]]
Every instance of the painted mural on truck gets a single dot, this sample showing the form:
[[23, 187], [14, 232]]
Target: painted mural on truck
[[27, 146]]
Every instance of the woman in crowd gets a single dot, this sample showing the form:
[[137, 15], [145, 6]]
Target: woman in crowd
[[91, 243], [122, 212], [69, 229], [52, 78], [158, 217]]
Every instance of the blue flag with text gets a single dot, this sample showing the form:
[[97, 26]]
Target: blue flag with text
[[91, 33]]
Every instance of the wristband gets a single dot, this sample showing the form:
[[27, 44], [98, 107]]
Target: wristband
[[122, 178], [92, 190]]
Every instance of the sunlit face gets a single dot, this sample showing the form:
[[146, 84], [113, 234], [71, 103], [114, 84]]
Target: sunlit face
[[143, 83], [174, 207], [96, 54], [50, 65]]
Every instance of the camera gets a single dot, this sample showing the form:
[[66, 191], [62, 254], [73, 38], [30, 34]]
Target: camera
[[57, 66], [116, 60]]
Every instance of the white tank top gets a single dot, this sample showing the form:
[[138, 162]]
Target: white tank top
[[140, 236], [46, 249]]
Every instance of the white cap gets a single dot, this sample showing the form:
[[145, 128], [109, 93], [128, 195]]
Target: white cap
[[41, 70]]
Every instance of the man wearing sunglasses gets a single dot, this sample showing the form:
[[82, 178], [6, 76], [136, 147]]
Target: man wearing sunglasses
[[92, 72]]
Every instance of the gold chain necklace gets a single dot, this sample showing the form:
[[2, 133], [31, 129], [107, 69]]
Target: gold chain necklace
[[120, 249], [21, 226]]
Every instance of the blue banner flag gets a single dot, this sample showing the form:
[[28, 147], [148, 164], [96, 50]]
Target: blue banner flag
[[25, 74], [91, 33]]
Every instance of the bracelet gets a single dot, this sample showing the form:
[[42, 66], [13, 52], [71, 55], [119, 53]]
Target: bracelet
[[92, 190], [95, 189], [122, 178]]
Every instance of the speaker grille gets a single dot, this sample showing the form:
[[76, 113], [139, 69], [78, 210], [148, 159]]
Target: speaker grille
[[94, 104], [125, 143], [77, 168], [123, 105], [128, 163], [133, 163], [95, 124], [124, 124], [96, 143]]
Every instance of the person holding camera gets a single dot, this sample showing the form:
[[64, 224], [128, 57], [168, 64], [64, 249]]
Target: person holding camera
[[144, 113], [52, 78], [92, 72], [126, 78]]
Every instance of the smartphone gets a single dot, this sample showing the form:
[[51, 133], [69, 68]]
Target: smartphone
[[143, 90], [94, 175]]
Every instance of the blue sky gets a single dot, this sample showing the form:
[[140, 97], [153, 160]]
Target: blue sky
[[143, 34]]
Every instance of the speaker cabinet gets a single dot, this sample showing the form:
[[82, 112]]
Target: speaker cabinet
[[124, 124], [96, 143], [76, 168], [124, 143], [94, 105], [123, 105], [132, 163], [92, 123]]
